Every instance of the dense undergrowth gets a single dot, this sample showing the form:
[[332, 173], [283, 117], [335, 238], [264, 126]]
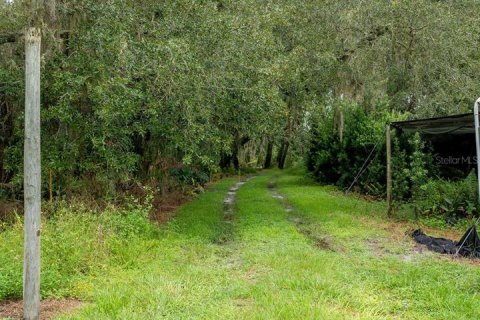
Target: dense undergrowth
[[75, 243], [80, 244], [331, 257], [348, 149]]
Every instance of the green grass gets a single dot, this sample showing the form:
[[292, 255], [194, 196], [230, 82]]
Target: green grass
[[331, 257]]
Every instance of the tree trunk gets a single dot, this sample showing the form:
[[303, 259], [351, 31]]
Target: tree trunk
[[282, 154], [234, 156], [2, 170], [235, 160], [32, 176], [50, 12], [268, 157], [225, 161], [284, 157], [279, 154]]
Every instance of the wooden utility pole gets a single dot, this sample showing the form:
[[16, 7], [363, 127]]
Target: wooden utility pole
[[389, 170], [32, 176], [32, 155]]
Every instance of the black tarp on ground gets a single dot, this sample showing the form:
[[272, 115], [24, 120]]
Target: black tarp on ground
[[467, 246]]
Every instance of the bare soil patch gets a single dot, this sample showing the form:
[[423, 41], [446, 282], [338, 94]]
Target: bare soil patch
[[399, 232], [229, 212], [13, 309], [167, 202], [165, 205], [321, 241]]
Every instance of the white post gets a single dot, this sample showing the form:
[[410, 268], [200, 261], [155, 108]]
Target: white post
[[32, 177], [477, 140]]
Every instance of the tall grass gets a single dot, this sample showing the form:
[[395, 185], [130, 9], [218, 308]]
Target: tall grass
[[75, 243], [330, 257]]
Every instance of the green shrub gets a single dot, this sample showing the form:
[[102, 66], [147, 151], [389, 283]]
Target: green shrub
[[336, 158], [450, 199], [190, 176], [338, 151]]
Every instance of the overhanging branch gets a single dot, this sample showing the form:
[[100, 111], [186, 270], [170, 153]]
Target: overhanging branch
[[369, 38], [13, 37]]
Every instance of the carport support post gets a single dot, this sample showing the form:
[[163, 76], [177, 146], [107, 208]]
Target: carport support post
[[389, 169], [477, 140]]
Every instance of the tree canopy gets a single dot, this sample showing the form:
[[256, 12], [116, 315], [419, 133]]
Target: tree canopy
[[131, 90]]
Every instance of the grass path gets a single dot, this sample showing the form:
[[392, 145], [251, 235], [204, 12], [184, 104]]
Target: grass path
[[326, 257]]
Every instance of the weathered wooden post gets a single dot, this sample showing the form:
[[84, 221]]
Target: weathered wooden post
[[50, 186], [32, 176], [389, 169]]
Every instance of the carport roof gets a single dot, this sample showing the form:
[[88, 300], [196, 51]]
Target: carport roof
[[454, 124]]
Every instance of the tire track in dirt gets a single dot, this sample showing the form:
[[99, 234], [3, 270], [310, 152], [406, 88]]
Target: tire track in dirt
[[310, 230], [302, 224], [226, 235]]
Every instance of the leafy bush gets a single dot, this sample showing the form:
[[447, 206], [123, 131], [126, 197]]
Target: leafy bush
[[338, 151], [450, 199], [190, 176]]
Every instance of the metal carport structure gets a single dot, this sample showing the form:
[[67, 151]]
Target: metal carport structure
[[459, 124]]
